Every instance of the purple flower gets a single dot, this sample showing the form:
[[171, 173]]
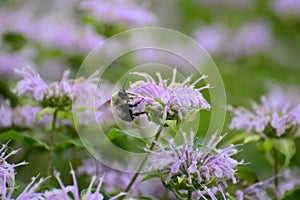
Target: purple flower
[[286, 8], [214, 38], [288, 180], [275, 111], [198, 165], [162, 101], [248, 39], [119, 11], [31, 83], [71, 192], [117, 181], [252, 38], [5, 114]]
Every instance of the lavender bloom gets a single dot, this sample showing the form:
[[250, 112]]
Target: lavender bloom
[[85, 94], [288, 180], [7, 172], [119, 11], [21, 116], [198, 165], [274, 112], [252, 38], [11, 61], [163, 101], [214, 38], [118, 181], [286, 8], [5, 114], [249, 39], [72, 191]]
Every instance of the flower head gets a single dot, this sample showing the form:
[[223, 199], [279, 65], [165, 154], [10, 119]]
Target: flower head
[[162, 101], [62, 95], [119, 11], [264, 190], [117, 180], [276, 113], [71, 192], [197, 166]]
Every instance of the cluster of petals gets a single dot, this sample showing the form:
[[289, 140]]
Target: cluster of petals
[[199, 165], [168, 101], [275, 111]]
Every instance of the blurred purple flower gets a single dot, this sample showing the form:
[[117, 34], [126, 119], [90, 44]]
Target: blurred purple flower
[[11, 61], [249, 39], [198, 165], [275, 111], [85, 94], [286, 8], [71, 192], [5, 114], [163, 101], [116, 11], [214, 38], [31, 84], [289, 179], [117, 180], [252, 38], [8, 173]]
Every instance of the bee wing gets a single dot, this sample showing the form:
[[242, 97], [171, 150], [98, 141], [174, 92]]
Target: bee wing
[[104, 105]]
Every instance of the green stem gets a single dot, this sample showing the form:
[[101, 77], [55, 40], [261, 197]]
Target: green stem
[[275, 156], [189, 195], [144, 160], [52, 143]]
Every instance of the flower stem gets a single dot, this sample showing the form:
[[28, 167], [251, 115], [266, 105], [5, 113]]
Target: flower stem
[[52, 143], [275, 156], [144, 160], [189, 197]]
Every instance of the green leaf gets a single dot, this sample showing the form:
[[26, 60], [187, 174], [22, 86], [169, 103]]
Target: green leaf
[[69, 143], [14, 135], [150, 176], [179, 179], [63, 114], [247, 175], [287, 147], [44, 111], [114, 133], [172, 124], [239, 137], [265, 146], [251, 138], [125, 141]]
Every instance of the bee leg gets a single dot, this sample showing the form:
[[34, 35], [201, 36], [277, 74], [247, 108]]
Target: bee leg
[[134, 105], [138, 113]]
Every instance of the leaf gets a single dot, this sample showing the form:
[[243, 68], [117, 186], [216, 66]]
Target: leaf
[[287, 147], [63, 114], [265, 146], [114, 133], [239, 137], [17, 136], [44, 111], [69, 143], [179, 179], [251, 138], [125, 141], [294, 193], [149, 176], [172, 124], [247, 175]]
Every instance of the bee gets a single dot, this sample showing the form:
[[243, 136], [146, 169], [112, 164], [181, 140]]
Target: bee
[[124, 109]]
